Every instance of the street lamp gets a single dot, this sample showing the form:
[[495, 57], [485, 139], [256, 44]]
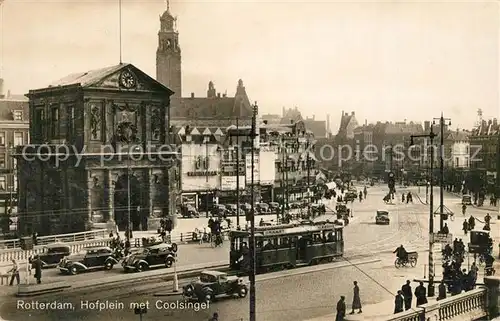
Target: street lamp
[[442, 215], [129, 221], [430, 289]]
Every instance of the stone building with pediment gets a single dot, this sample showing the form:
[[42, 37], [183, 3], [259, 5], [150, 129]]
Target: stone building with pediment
[[99, 153]]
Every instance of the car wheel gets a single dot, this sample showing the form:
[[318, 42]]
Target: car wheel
[[168, 262], [208, 297], [108, 265], [242, 292], [73, 270], [141, 267]]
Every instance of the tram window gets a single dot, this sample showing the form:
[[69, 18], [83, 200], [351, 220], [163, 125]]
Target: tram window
[[276, 241], [259, 244]]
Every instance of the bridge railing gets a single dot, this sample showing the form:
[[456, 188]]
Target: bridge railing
[[65, 238], [471, 305]]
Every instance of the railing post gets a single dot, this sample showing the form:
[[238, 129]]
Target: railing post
[[492, 295]]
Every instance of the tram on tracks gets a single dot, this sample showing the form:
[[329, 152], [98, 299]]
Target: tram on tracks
[[286, 246]]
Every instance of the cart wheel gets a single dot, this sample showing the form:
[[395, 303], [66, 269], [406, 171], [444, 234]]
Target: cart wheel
[[397, 263], [413, 262]]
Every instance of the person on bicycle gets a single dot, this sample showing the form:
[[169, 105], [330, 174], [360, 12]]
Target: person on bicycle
[[401, 253]]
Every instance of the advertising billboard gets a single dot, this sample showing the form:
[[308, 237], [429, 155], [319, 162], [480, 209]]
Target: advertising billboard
[[228, 183], [267, 167], [256, 169]]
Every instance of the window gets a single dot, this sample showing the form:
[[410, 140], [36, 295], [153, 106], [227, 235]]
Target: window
[[2, 160], [457, 162], [54, 118], [18, 139], [2, 183], [18, 115], [39, 122], [71, 121], [2, 139]]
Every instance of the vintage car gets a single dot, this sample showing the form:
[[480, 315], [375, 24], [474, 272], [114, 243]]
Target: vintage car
[[152, 256], [90, 258], [219, 210], [232, 209], [262, 208], [350, 195], [480, 241], [52, 254], [189, 211], [245, 207], [382, 218], [274, 207], [215, 284], [466, 200]]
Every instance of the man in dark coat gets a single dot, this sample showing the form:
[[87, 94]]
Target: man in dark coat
[[356, 300], [341, 308], [37, 265], [420, 294], [441, 291], [398, 302], [407, 294]]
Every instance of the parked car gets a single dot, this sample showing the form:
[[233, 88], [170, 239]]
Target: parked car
[[274, 207], [151, 256], [245, 207], [189, 211], [90, 258], [350, 195], [382, 218], [219, 209], [53, 254], [232, 209], [262, 208], [215, 284]]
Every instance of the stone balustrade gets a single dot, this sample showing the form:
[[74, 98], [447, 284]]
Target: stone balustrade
[[472, 305], [20, 255], [64, 238]]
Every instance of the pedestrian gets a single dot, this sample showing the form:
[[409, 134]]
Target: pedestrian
[[215, 317], [341, 309], [14, 273], [398, 302], [35, 239], [441, 291], [420, 294], [465, 227], [445, 229], [407, 294], [356, 300], [37, 264], [403, 198]]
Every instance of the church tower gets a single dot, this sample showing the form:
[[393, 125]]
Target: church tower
[[168, 54]]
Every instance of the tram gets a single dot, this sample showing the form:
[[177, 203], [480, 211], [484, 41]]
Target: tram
[[285, 246]]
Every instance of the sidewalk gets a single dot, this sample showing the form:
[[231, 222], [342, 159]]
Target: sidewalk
[[374, 312]]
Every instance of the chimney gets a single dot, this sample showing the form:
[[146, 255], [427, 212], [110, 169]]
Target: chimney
[[218, 95], [366, 122], [495, 121], [328, 123], [1, 89], [192, 95], [352, 113], [8, 93], [314, 117], [283, 112]]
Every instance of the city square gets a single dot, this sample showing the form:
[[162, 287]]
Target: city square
[[124, 195]]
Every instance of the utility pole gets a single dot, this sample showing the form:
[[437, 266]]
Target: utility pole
[[308, 164], [253, 136], [282, 182], [430, 289], [442, 215], [237, 173], [497, 196]]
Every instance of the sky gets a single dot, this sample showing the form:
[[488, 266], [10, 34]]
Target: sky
[[387, 61]]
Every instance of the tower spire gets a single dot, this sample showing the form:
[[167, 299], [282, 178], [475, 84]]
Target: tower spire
[[168, 5]]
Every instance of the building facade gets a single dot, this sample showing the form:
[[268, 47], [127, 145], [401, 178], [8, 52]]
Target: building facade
[[99, 152]]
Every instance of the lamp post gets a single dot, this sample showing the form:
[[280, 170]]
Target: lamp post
[[206, 140], [497, 196], [129, 220], [430, 289], [442, 215], [253, 136]]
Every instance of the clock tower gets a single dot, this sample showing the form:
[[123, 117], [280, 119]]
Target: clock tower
[[168, 54]]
